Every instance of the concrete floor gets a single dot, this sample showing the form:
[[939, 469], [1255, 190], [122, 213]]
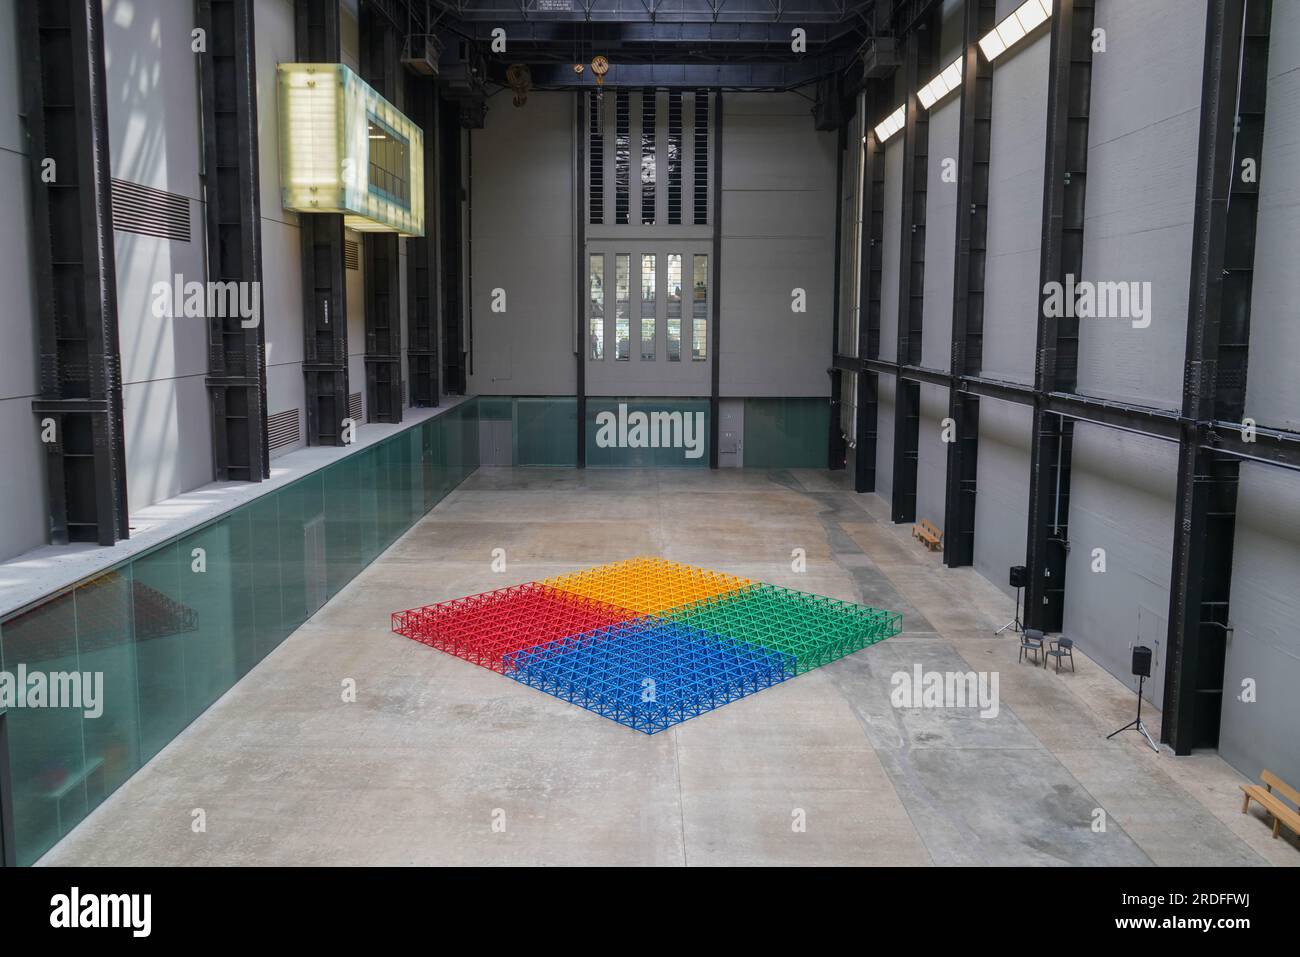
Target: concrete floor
[[435, 751]]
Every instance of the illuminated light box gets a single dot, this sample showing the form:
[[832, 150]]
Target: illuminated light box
[[345, 149]]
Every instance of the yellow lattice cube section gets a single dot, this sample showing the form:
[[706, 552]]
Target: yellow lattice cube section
[[648, 585]]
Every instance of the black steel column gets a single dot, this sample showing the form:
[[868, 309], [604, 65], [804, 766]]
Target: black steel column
[[1233, 93], [968, 282], [383, 306], [422, 253], [236, 378], [918, 63], [870, 265], [715, 366], [449, 202], [836, 448], [62, 50], [1065, 176], [583, 290], [324, 291]]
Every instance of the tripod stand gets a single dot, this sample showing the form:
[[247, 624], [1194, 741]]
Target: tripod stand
[[1014, 624], [1136, 724]]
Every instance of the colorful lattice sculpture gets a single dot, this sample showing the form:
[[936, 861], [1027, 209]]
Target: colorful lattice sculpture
[[647, 642]]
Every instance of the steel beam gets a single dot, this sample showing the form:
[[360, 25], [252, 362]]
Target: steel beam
[[79, 409], [968, 281], [1234, 86], [1065, 176], [423, 254], [918, 64], [715, 353], [837, 448], [582, 290], [236, 378], [870, 264], [453, 256], [380, 50], [324, 291]]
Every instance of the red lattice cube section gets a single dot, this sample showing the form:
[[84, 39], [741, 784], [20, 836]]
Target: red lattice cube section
[[484, 628]]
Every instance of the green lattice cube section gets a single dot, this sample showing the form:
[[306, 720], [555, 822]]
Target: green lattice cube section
[[815, 629]]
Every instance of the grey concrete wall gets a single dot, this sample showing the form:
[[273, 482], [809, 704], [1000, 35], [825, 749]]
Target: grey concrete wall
[[1265, 645], [932, 455], [778, 225], [1142, 141], [891, 246], [1273, 382], [1015, 210], [522, 222], [1002, 489], [23, 527], [885, 439], [1121, 501], [281, 250], [153, 126], [941, 204]]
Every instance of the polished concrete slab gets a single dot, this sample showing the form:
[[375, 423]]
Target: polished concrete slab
[[437, 761]]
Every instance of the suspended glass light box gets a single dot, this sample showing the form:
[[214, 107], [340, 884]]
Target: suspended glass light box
[[345, 149]]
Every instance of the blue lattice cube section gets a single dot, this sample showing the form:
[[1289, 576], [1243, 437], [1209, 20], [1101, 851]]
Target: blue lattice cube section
[[647, 673]]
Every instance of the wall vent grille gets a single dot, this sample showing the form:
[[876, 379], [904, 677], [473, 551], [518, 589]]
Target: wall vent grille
[[354, 407], [283, 428], [351, 254], [150, 212]]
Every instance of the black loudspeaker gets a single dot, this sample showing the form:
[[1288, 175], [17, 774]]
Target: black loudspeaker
[[1142, 661], [1019, 576]]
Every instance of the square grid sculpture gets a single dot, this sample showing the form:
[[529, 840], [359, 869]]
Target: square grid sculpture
[[647, 642]]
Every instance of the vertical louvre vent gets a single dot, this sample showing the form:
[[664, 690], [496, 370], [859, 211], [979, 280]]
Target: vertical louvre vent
[[149, 211], [675, 158], [282, 429], [622, 156], [701, 180], [596, 153], [354, 407], [648, 171], [351, 254]]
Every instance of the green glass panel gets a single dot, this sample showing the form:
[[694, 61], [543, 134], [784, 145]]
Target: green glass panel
[[647, 433], [546, 431], [162, 624], [785, 433]]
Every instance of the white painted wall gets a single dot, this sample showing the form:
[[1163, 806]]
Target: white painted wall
[[25, 527], [1002, 489], [522, 222], [151, 78], [281, 249], [1142, 141], [1015, 211], [778, 224]]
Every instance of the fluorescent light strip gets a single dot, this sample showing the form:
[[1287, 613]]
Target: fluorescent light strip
[[947, 80], [1027, 17], [890, 125]]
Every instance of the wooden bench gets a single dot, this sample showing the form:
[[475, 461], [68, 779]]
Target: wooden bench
[[1270, 800], [925, 532]]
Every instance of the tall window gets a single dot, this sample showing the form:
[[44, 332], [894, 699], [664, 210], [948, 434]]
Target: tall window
[[647, 157], [674, 307], [675, 158], [699, 307], [623, 306], [596, 154], [647, 306], [701, 151], [596, 329], [622, 157]]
